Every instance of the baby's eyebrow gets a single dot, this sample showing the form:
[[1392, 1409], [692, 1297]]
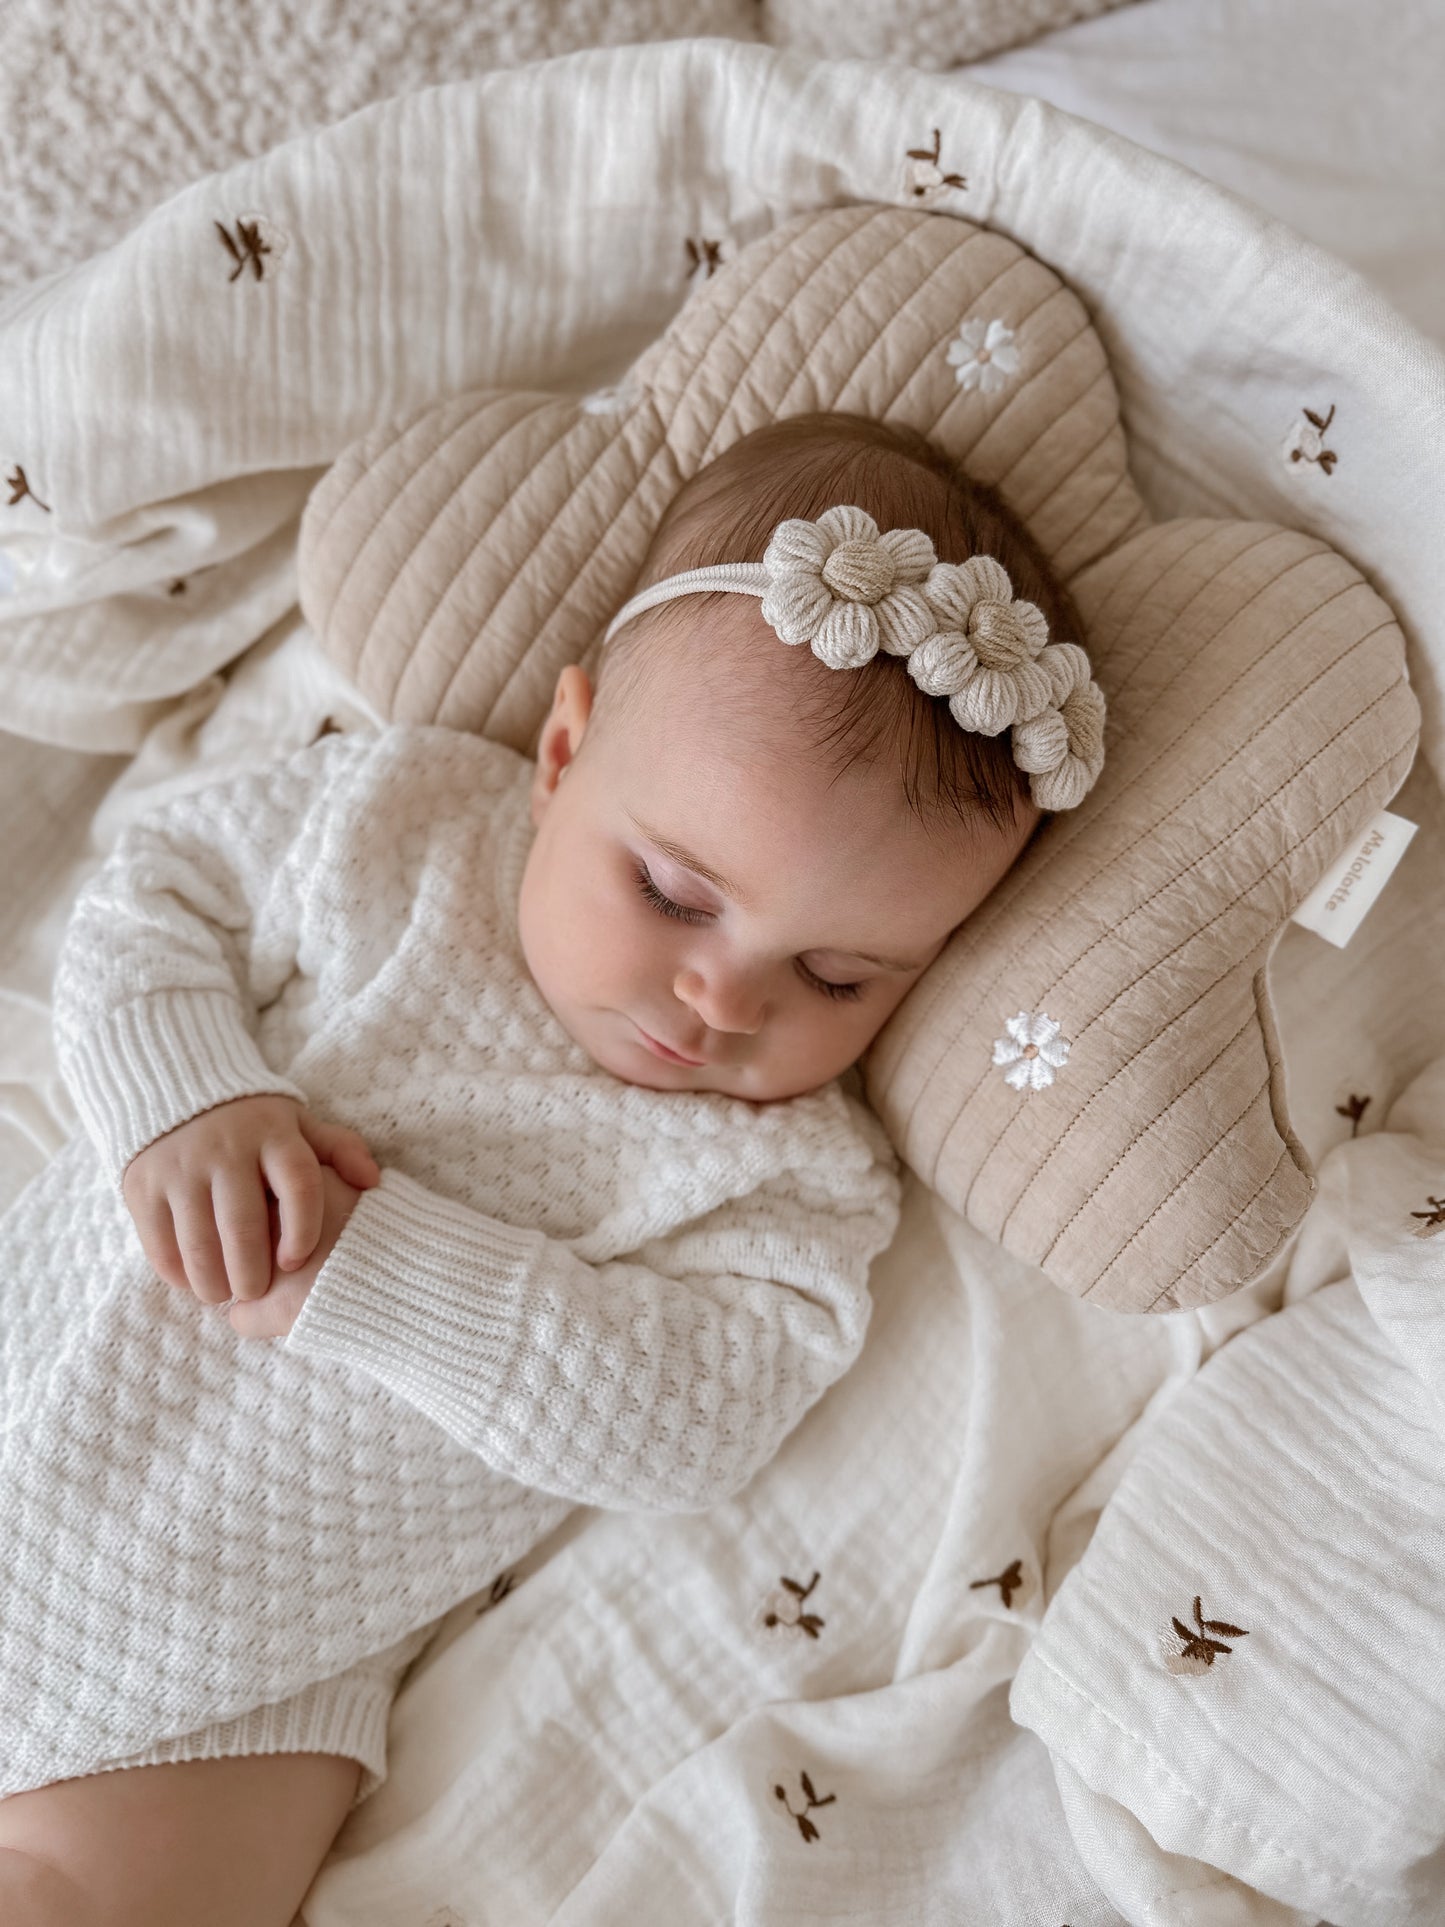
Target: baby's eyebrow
[[689, 861], [862, 956]]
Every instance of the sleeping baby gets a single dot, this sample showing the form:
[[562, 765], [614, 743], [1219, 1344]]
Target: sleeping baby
[[468, 1138]]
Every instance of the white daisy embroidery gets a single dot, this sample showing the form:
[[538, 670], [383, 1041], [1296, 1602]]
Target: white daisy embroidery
[[1033, 1050], [985, 356], [609, 401]]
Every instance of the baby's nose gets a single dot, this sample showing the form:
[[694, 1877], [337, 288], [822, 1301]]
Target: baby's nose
[[724, 1000]]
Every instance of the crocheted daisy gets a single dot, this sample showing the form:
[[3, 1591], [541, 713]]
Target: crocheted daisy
[[1033, 1050], [985, 355], [846, 589]]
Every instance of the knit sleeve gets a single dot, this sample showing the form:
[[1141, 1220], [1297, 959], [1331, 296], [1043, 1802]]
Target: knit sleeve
[[187, 930], [663, 1381]]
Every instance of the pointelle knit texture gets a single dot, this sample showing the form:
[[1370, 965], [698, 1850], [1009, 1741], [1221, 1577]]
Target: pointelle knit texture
[[565, 1290]]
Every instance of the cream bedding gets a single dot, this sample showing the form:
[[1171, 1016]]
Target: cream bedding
[[607, 1741]]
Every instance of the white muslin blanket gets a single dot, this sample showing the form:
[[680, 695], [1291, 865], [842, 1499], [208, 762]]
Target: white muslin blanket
[[797, 1708]]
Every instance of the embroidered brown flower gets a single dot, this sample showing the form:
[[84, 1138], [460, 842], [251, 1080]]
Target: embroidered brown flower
[[926, 176], [253, 238], [1008, 1582], [19, 487], [505, 1582], [805, 1825], [783, 1611], [708, 255], [1198, 1649], [1431, 1220], [1354, 1109], [1306, 440]]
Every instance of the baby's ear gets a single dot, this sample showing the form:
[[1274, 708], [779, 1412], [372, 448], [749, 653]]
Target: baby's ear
[[562, 734]]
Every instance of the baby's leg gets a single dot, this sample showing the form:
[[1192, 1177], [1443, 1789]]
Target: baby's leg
[[231, 1842]]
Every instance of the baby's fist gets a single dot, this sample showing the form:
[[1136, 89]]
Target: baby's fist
[[275, 1314]]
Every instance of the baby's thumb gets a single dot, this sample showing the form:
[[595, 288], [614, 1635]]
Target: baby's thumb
[[344, 1150]]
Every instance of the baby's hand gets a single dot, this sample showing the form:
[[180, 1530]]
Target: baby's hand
[[275, 1314], [199, 1194]]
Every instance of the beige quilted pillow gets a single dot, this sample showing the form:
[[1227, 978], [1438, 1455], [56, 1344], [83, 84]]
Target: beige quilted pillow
[[1258, 716]]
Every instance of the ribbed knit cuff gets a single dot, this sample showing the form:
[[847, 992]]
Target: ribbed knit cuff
[[421, 1293], [159, 1060]]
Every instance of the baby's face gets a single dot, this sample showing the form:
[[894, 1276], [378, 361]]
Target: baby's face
[[704, 911]]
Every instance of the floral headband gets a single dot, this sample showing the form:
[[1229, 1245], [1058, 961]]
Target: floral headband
[[849, 591]]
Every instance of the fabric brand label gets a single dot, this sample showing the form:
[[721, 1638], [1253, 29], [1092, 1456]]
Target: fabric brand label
[[1336, 907]]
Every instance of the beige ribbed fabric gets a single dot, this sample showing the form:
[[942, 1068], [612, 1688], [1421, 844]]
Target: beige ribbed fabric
[[1258, 715]]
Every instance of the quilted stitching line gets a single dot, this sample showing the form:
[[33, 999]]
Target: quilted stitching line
[[919, 291], [1003, 481], [1255, 1253], [1398, 1898], [1163, 1112], [1123, 481], [943, 266], [1071, 830], [863, 230], [413, 432], [1094, 507], [1214, 1148], [1318, 550], [460, 483], [579, 483], [1089, 453], [1011, 959], [1223, 911]]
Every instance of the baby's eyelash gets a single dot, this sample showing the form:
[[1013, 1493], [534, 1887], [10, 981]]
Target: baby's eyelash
[[668, 908], [848, 991], [665, 904]]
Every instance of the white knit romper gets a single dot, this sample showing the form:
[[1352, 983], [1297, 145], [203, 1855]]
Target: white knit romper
[[566, 1289]]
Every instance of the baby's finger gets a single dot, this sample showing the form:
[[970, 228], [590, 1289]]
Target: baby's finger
[[343, 1149], [294, 1175], [200, 1243], [158, 1239], [244, 1222]]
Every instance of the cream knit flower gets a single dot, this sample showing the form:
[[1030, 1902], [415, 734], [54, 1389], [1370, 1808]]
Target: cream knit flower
[[850, 591], [847, 590]]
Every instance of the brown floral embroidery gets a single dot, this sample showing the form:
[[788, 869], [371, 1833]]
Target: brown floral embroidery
[[1432, 1220], [1306, 441], [926, 176], [247, 246], [805, 1825], [19, 487], [709, 255], [505, 1582], [1008, 1582], [1198, 1649], [785, 1609], [1354, 1109]]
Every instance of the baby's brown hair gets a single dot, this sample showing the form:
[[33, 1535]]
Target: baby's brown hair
[[802, 466]]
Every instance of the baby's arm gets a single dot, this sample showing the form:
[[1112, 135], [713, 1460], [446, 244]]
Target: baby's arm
[[663, 1382], [187, 930]]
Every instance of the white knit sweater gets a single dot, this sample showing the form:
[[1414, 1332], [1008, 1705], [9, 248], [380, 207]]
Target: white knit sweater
[[566, 1289]]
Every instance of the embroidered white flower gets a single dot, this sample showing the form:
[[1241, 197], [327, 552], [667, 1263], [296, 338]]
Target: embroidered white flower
[[985, 356], [1033, 1050], [609, 401]]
